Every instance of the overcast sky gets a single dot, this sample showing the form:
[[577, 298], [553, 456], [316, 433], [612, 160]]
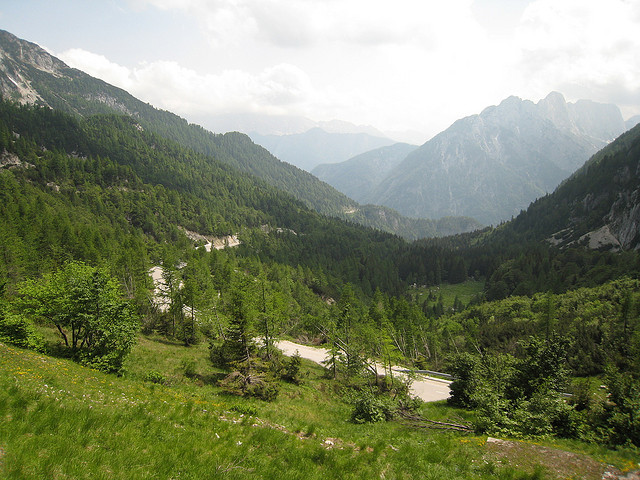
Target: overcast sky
[[396, 65]]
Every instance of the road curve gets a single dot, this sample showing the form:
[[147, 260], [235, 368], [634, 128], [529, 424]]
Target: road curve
[[426, 388]]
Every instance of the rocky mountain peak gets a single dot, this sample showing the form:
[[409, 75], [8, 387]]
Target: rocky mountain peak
[[492, 165], [599, 123], [18, 59], [28, 53], [603, 122], [554, 108]]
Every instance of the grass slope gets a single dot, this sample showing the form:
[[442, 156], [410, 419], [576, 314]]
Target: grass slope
[[61, 420]]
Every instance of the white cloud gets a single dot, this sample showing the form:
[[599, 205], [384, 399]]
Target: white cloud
[[98, 66], [295, 24], [171, 86], [407, 64], [584, 47]]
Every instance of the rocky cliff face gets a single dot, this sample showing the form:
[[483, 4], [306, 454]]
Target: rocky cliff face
[[28, 74], [598, 206], [619, 230], [595, 122], [15, 51], [16, 58], [623, 218]]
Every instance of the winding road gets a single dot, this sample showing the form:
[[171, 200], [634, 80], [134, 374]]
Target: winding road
[[427, 388]]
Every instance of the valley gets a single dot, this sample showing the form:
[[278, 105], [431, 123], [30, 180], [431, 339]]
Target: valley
[[535, 318]]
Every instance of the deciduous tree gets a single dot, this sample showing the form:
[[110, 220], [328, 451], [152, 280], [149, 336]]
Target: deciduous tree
[[85, 304]]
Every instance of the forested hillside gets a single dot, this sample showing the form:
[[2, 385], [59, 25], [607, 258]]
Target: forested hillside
[[53, 83], [158, 186], [596, 206], [582, 235], [95, 183]]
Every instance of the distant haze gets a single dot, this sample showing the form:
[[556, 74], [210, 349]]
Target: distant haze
[[409, 68]]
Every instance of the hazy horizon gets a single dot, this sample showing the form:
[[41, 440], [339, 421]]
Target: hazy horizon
[[407, 66]]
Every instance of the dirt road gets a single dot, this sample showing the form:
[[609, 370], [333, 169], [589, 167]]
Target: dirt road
[[426, 388]]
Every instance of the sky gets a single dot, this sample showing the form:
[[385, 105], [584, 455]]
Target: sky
[[401, 65]]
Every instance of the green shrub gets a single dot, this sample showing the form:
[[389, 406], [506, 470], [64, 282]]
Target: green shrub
[[250, 383], [395, 386], [622, 413], [154, 376], [465, 371], [291, 369], [19, 331], [542, 415], [408, 404], [245, 410], [370, 408], [189, 368], [518, 397], [85, 304]]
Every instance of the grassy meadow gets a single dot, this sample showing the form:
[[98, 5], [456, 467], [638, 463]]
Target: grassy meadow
[[60, 420], [465, 292]]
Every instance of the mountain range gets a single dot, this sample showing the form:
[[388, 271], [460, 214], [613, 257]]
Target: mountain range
[[315, 146], [28, 74], [98, 189], [360, 174], [632, 122], [263, 124], [488, 166]]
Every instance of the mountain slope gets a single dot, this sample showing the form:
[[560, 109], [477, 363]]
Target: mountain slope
[[632, 122], [313, 147], [358, 175], [106, 191], [387, 219], [29, 74], [598, 206], [492, 165]]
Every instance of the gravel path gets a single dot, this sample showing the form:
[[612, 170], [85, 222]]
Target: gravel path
[[427, 388]]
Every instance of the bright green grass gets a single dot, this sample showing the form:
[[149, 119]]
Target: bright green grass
[[60, 420], [464, 291]]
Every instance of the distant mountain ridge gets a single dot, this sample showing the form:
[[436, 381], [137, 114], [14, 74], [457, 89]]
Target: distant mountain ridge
[[316, 146], [357, 176], [632, 122], [263, 124], [600, 123], [492, 165]]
